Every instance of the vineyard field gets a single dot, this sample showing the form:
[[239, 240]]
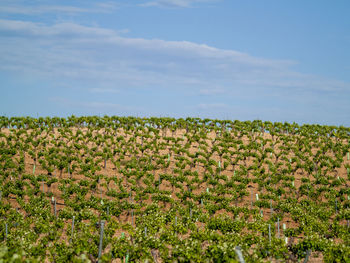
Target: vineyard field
[[127, 189]]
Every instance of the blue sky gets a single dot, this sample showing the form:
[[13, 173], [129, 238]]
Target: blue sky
[[227, 59]]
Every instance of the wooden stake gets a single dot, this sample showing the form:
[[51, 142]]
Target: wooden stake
[[101, 240], [239, 254]]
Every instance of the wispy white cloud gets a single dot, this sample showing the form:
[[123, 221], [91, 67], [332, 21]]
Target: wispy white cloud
[[212, 91], [106, 105], [25, 29], [175, 3], [103, 90], [102, 59], [100, 69], [17, 7], [212, 106], [98, 106]]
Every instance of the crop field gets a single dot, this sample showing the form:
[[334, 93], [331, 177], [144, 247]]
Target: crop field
[[127, 189]]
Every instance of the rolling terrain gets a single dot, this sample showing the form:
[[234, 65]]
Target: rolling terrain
[[126, 189]]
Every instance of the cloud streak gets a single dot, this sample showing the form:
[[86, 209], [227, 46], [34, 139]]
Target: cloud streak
[[175, 3], [212, 91], [37, 9], [81, 52], [212, 106], [102, 61], [95, 106], [102, 91]]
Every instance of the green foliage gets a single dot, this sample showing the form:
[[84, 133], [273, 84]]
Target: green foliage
[[172, 190]]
